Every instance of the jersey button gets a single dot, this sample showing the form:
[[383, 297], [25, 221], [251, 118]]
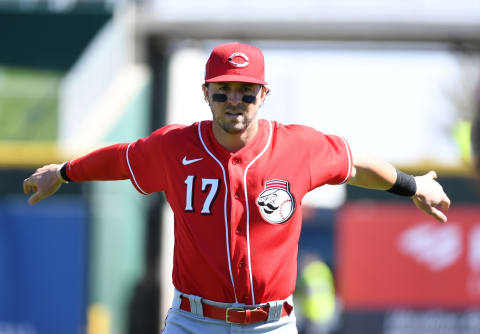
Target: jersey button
[[235, 161], [241, 264], [238, 231], [237, 196]]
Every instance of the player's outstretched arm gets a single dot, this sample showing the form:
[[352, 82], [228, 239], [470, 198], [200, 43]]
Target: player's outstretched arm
[[43, 183], [426, 192], [105, 164]]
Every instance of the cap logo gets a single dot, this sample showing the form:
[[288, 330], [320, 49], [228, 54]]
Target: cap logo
[[239, 54]]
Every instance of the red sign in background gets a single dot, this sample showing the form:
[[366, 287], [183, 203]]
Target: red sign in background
[[391, 255]]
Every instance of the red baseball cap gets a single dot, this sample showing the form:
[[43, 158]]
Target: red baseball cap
[[235, 62]]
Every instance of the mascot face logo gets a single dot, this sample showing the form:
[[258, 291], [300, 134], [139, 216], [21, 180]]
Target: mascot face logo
[[276, 203]]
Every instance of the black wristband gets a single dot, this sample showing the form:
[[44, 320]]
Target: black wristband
[[405, 185], [63, 172]]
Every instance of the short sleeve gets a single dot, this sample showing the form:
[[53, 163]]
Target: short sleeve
[[330, 159]]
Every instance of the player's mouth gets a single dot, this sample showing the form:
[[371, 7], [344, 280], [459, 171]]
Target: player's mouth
[[234, 114]]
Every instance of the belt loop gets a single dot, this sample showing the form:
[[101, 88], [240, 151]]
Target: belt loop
[[275, 310], [177, 299], [196, 305]]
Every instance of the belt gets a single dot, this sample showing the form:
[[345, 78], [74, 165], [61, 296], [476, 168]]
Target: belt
[[235, 315]]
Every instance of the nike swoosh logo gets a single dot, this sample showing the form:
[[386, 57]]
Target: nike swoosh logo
[[188, 162]]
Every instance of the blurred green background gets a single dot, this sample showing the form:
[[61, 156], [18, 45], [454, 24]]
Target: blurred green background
[[28, 104]]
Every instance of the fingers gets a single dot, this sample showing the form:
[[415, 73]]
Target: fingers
[[30, 187], [432, 210], [445, 203], [438, 215], [443, 206], [27, 184], [34, 198]]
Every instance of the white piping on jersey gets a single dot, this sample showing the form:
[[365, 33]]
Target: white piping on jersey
[[247, 207], [131, 172], [349, 154], [224, 207]]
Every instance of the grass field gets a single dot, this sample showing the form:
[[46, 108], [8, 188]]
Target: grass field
[[28, 104]]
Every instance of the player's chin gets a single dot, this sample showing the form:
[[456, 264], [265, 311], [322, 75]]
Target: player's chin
[[234, 127]]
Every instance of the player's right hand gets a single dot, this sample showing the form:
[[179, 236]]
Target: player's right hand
[[43, 183]]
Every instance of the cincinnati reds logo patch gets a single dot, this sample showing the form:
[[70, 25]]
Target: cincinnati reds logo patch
[[245, 63], [276, 203]]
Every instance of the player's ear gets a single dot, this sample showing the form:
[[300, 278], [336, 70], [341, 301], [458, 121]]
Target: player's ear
[[263, 94], [205, 93], [265, 91]]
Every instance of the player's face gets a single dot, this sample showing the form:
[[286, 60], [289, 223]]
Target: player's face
[[234, 105]]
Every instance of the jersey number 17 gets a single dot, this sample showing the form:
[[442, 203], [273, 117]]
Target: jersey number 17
[[211, 184]]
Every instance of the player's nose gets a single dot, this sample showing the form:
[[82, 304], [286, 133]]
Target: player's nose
[[235, 97]]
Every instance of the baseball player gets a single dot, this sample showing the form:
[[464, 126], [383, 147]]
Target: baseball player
[[235, 184]]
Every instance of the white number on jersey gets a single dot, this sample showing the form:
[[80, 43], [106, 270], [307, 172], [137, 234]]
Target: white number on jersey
[[212, 194], [207, 205], [189, 181]]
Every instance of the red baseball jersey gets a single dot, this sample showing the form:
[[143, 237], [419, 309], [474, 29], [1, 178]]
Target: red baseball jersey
[[237, 215]]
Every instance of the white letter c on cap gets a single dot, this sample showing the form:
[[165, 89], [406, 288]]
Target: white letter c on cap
[[239, 54]]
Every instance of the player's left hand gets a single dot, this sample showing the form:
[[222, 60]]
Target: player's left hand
[[430, 196]]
